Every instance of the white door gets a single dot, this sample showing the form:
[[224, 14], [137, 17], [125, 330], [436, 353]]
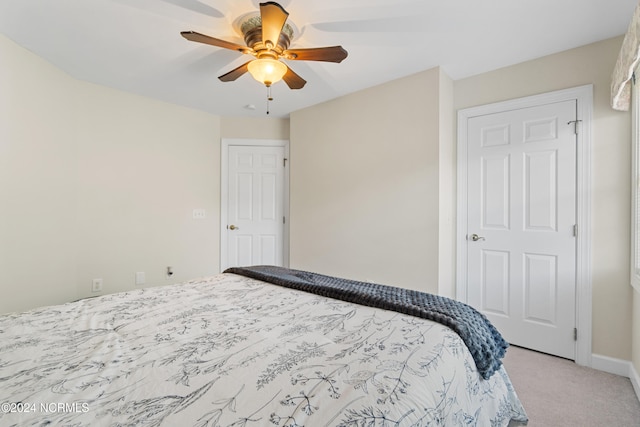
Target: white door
[[255, 206], [521, 245]]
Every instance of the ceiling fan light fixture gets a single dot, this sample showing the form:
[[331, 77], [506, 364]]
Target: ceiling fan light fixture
[[267, 37], [267, 71]]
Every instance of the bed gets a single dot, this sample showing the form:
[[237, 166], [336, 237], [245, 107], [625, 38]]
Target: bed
[[240, 349]]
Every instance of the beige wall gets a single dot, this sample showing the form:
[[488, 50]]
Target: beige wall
[[143, 166], [97, 183], [37, 182], [447, 190], [364, 184], [611, 172], [254, 128]]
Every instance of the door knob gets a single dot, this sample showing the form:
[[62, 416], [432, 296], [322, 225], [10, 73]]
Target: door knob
[[475, 237], [233, 227]]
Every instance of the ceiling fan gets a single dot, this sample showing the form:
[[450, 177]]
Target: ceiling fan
[[268, 37]]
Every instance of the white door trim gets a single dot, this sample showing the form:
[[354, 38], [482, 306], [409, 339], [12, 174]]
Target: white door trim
[[224, 191], [584, 97]]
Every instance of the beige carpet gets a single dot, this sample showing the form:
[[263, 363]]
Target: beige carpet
[[557, 392]]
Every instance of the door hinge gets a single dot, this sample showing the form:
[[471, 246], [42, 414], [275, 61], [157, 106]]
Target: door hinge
[[284, 162], [575, 230], [575, 125], [575, 334], [283, 220]]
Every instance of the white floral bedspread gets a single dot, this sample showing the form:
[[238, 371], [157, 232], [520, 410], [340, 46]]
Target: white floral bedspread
[[232, 351]]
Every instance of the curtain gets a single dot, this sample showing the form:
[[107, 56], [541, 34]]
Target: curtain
[[627, 61]]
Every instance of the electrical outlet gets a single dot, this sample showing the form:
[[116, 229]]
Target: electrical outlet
[[199, 214], [96, 285]]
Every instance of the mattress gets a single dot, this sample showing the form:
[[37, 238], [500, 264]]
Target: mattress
[[229, 350]]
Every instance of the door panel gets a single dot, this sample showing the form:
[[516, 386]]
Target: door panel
[[495, 282], [243, 196], [541, 286], [495, 192], [541, 190], [521, 201]]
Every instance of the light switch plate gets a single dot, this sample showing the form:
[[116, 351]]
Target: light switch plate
[[140, 278]]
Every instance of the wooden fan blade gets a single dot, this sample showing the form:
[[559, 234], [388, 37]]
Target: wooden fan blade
[[235, 73], [327, 54], [293, 80], [273, 17], [201, 38]]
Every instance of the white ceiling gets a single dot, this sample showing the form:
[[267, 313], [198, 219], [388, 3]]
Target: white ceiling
[[135, 45]]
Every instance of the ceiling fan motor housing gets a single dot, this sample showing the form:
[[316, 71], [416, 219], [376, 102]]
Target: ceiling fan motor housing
[[252, 31]]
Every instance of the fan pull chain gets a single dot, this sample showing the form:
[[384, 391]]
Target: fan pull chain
[[269, 97]]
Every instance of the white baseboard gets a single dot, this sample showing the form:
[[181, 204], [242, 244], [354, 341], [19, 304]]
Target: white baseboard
[[620, 367], [635, 380], [611, 365]]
